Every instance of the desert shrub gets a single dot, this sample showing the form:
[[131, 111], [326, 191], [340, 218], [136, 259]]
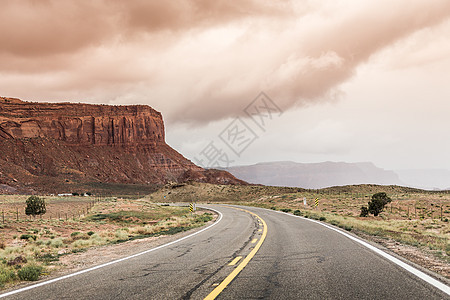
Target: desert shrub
[[347, 227], [6, 275], [334, 222], [30, 273], [56, 243], [322, 219], [49, 257], [90, 233], [379, 200], [297, 212], [75, 233], [286, 210], [364, 211], [203, 218], [314, 216], [35, 206], [273, 208], [27, 236]]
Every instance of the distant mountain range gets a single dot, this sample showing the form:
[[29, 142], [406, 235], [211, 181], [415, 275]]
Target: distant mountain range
[[326, 174], [426, 178]]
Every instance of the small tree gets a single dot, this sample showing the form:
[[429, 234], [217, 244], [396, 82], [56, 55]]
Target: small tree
[[379, 200], [35, 206], [364, 211]]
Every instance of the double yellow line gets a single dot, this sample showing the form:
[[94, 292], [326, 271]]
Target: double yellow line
[[242, 265]]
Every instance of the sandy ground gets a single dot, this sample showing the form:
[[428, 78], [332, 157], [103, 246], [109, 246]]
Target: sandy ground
[[413, 254]]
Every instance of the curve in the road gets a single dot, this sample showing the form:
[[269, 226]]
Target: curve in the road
[[112, 262], [242, 265], [437, 284]]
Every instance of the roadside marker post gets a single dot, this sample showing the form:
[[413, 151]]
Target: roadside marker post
[[316, 202]]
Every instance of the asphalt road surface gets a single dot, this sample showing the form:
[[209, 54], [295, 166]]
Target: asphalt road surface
[[259, 255]]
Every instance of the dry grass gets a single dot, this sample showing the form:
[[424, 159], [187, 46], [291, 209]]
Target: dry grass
[[415, 217], [41, 242]]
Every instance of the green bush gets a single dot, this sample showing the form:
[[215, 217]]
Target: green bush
[[334, 222], [322, 219], [90, 233], [35, 206], [297, 212], [30, 273], [6, 275], [348, 227], [379, 200], [203, 218], [314, 217], [364, 211], [27, 236], [286, 210]]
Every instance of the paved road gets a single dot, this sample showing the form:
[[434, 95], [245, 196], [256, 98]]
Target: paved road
[[298, 259]]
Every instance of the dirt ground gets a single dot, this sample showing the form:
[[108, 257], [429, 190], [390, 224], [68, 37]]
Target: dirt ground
[[95, 256], [413, 254]]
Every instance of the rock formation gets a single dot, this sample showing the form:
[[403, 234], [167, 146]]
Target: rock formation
[[85, 142]]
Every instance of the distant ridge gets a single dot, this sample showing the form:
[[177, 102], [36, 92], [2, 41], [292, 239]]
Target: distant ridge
[[315, 175]]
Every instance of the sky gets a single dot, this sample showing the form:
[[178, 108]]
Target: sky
[[348, 80]]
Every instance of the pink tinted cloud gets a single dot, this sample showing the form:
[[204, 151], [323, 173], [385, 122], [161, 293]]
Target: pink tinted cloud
[[197, 60]]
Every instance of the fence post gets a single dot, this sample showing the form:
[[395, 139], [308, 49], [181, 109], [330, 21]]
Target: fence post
[[3, 216], [17, 212]]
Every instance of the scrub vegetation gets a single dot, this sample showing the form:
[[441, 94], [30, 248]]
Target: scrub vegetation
[[408, 216], [32, 246]]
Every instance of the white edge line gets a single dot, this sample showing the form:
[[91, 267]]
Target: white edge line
[[436, 283], [114, 261]]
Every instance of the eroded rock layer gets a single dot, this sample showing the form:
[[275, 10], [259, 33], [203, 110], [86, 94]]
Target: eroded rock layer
[[42, 143]]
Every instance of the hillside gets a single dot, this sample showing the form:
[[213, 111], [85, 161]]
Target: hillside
[[49, 147]]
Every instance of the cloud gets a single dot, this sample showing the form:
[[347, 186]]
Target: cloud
[[197, 60]]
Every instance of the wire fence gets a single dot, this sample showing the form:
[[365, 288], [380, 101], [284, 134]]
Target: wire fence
[[15, 212]]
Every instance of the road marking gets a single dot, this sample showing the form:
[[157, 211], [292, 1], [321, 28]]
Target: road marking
[[112, 262], [427, 278], [254, 241], [260, 230], [234, 261], [242, 265]]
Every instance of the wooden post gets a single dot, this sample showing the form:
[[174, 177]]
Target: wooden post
[[408, 211], [441, 213], [3, 216], [17, 214]]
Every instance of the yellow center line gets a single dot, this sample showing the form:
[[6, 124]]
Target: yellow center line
[[242, 265], [254, 241], [235, 260]]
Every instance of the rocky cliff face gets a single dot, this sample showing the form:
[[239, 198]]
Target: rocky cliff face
[[42, 143], [81, 124]]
